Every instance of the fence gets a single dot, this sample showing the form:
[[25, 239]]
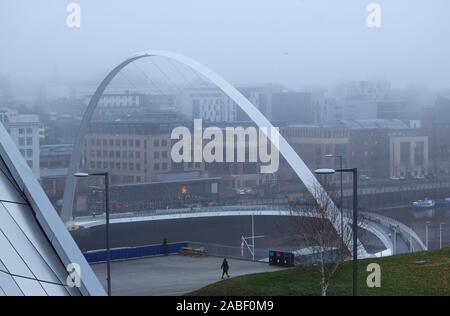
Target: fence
[[126, 253], [234, 252]]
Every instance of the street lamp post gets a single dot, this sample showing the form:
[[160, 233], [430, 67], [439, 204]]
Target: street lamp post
[[395, 228], [341, 206], [440, 235], [427, 223], [354, 171], [108, 249]]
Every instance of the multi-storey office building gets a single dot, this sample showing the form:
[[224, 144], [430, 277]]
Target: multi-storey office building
[[133, 151], [211, 104], [387, 148], [119, 104], [313, 142], [25, 132], [436, 122]]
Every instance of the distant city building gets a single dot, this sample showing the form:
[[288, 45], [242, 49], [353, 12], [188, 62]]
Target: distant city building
[[211, 104], [360, 100], [59, 129], [378, 148], [348, 109], [55, 155], [436, 122], [363, 90], [238, 175], [387, 148], [133, 151], [260, 97], [313, 142], [324, 108], [54, 160], [168, 191], [207, 103], [292, 107], [392, 109], [24, 130], [162, 102], [119, 104]]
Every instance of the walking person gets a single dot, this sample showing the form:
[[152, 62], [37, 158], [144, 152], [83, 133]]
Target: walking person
[[165, 247], [225, 268]]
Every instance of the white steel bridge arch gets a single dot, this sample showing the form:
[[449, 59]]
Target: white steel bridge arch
[[296, 163]]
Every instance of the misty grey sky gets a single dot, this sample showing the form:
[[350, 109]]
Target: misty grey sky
[[292, 42]]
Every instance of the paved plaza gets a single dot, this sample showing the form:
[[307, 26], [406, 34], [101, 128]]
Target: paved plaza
[[172, 275]]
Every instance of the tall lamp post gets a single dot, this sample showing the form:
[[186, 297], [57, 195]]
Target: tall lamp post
[[341, 206], [108, 249], [354, 171], [427, 224], [440, 235]]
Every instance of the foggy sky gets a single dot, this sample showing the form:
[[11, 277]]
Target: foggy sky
[[292, 42]]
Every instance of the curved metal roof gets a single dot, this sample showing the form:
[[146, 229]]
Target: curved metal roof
[[35, 246]]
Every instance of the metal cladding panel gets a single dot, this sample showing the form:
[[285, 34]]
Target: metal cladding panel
[[35, 246]]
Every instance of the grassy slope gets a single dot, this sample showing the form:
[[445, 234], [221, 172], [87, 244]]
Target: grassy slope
[[400, 275]]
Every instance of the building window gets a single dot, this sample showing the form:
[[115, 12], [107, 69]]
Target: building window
[[111, 142], [124, 143], [21, 131], [92, 164], [164, 154], [105, 165], [29, 130], [118, 165], [138, 155], [130, 142], [22, 151], [117, 142], [138, 166], [164, 166], [29, 141], [156, 166], [138, 143], [21, 141], [404, 153], [156, 155], [29, 152], [156, 142], [164, 142]]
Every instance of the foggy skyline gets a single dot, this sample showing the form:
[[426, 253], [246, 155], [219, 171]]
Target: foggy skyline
[[295, 43]]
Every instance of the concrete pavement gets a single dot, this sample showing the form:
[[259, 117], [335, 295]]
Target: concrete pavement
[[172, 275]]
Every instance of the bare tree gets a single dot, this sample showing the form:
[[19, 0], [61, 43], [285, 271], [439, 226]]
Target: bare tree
[[317, 224]]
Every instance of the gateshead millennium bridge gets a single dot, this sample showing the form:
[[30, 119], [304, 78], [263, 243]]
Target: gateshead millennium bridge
[[296, 163]]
